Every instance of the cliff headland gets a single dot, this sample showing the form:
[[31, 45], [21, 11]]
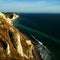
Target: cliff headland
[[14, 44]]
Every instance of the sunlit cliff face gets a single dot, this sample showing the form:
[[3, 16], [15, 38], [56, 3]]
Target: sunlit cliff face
[[14, 44], [9, 17]]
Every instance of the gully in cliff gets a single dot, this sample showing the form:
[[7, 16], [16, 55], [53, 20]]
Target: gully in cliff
[[14, 44]]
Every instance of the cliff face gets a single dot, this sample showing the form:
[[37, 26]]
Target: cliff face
[[13, 44]]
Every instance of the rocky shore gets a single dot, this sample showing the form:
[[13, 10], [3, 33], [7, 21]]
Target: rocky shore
[[14, 45]]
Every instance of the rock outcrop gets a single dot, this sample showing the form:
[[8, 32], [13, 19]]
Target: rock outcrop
[[13, 44]]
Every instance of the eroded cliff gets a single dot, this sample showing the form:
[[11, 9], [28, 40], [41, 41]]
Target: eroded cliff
[[13, 44]]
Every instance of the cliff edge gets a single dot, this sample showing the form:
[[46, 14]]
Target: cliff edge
[[13, 44]]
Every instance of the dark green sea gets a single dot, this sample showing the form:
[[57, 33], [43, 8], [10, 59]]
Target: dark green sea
[[45, 27]]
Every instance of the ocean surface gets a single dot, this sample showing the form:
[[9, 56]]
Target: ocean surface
[[43, 28]]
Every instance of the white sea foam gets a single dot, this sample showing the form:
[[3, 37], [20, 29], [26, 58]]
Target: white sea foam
[[43, 50]]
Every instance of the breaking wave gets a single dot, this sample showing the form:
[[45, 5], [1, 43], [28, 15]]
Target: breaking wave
[[43, 50]]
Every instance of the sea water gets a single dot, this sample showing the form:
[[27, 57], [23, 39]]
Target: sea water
[[44, 30]]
